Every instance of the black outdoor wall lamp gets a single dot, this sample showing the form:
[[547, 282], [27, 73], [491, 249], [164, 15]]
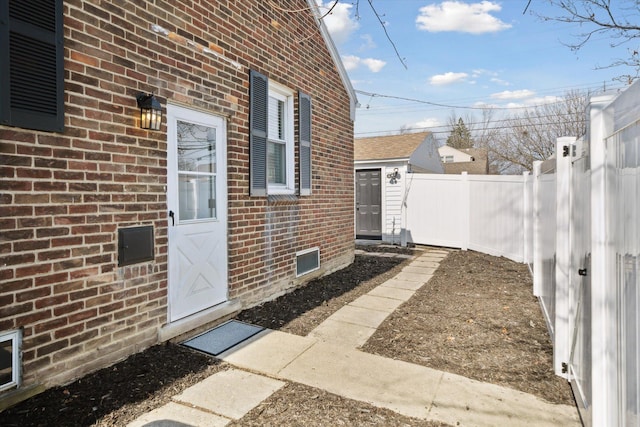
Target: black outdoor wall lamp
[[150, 111]]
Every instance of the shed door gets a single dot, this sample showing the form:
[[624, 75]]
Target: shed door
[[197, 202], [368, 204]]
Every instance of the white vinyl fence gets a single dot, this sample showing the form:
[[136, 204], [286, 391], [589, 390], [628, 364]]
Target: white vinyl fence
[[487, 213], [587, 257], [577, 218]]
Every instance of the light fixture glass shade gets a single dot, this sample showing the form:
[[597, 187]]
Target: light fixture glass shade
[[150, 111]]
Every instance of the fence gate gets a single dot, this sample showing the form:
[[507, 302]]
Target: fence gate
[[579, 277]]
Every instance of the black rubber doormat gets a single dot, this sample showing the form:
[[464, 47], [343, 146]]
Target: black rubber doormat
[[223, 337]]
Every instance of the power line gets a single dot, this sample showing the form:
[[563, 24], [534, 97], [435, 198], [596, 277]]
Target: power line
[[589, 88], [506, 123], [465, 107]]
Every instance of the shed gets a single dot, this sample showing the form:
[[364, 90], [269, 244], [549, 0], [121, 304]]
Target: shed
[[383, 169]]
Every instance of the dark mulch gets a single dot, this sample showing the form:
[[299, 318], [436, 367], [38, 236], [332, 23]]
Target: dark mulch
[[300, 311], [118, 394], [476, 317]]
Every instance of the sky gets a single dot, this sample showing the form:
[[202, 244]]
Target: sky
[[462, 54]]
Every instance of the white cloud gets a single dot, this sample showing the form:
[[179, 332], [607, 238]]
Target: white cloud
[[513, 94], [429, 122], [500, 81], [474, 18], [351, 62], [543, 100], [374, 65], [447, 78], [339, 22]]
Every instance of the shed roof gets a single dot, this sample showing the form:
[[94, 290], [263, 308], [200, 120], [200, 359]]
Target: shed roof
[[388, 147]]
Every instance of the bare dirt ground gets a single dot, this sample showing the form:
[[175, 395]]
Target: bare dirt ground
[[476, 317]]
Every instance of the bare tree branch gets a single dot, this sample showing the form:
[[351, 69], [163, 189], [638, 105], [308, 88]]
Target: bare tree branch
[[384, 28], [620, 20], [531, 135]]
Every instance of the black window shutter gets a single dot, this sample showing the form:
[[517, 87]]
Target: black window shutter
[[32, 64], [258, 109], [304, 138]]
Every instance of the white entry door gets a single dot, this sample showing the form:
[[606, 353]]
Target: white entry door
[[197, 202]]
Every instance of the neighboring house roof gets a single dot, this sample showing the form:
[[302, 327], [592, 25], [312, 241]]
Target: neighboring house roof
[[337, 59], [479, 165], [388, 147], [417, 149]]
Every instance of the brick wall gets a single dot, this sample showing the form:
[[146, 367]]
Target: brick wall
[[64, 196]]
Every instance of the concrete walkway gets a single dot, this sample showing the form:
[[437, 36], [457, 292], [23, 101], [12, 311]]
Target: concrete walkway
[[328, 358]]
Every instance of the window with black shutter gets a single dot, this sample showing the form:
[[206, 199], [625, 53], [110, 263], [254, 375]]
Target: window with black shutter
[[32, 64], [271, 138]]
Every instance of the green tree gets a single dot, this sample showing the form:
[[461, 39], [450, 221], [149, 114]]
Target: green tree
[[460, 136]]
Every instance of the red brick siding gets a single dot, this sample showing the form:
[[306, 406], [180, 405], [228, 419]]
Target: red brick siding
[[64, 196]]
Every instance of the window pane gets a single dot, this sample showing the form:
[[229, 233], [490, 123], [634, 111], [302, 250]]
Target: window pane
[[276, 118], [196, 148], [6, 362], [276, 163], [197, 196]]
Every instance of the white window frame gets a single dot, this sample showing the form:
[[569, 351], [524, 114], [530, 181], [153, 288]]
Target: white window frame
[[447, 159], [15, 337], [286, 95], [304, 252]]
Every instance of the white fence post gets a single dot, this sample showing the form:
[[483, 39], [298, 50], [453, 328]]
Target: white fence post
[[562, 343], [603, 267], [466, 208], [527, 217], [537, 230]]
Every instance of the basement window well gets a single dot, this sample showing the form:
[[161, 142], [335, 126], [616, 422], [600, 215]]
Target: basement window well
[[307, 261], [9, 360]]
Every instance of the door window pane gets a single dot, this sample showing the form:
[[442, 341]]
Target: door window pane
[[197, 195], [196, 171], [196, 148]]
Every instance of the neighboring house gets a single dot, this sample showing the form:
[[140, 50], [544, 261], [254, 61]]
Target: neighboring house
[[114, 237], [383, 166], [474, 161]]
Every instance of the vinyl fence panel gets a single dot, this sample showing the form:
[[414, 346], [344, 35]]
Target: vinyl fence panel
[[437, 210], [496, 216], [480, 212]]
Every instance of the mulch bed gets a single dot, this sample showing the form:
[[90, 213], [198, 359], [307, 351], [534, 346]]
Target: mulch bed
[[476, 317]]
